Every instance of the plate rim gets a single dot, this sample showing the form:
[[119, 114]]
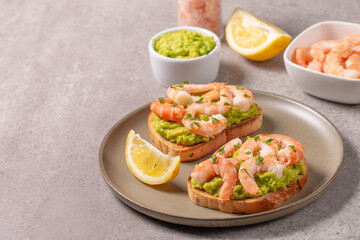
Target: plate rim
[[227, 222]]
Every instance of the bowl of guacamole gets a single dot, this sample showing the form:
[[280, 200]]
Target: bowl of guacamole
[[184, 54]]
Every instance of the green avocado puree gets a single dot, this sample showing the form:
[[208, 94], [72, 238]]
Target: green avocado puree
[[267, 182], [184, 44], [234, 116], [178, 133]]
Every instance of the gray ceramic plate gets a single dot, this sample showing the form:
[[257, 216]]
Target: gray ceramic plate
[[169, 202]]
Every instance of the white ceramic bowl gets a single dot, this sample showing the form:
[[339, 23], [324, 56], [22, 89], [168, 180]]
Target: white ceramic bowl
[[171, 71], [323, 85]]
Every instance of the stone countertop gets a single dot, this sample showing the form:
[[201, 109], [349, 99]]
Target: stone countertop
[[71, 69]]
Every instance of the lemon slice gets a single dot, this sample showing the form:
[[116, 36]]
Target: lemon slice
[[253, 37], [147, 163]]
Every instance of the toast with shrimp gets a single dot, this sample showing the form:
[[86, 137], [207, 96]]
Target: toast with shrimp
[[196, 119], [256, 176]]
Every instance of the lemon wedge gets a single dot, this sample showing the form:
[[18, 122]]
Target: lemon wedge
[[253, 37], [147, 163]]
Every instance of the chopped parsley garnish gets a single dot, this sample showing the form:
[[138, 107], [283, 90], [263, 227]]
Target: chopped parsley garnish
[[196, 123], [245, 95], [223, 95], [186, 82], [268, 141], [292, 147], [200, 100], [259, 159], [214, 159], [248, 153], [162, 101], [248, 137], [190, 116], [174, 104], [191, 101], [256, 138], [221, 150], [214, 119], [243, 169], [180, 85], [237, 145], [226, 104], [239, 87]]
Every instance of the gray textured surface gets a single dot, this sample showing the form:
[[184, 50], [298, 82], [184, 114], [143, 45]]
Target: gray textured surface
[[69, 70]]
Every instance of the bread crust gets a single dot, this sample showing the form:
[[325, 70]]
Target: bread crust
[[187, 153], [267, 202], [245, 127], [194, 152]]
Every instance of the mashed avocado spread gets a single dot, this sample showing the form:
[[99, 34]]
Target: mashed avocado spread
[[176, 132], [184, 44], [267, 182]]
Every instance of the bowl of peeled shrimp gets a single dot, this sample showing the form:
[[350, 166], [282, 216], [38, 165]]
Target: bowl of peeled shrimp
[[324, 60]]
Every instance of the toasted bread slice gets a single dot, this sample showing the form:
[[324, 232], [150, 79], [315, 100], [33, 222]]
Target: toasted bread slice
[[249, 205], [187, 153], [194, 152], [245, 127]]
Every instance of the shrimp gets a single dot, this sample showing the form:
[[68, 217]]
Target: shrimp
[[353, 62], [205, 171], [228, 148], [212, 95], [333, 61], [316, 65], [180, 96], [182, 93], [195, 88], [319, 49], [224, 168], [243, 98], [354, 38], [261, 144], [255, 165], [215, 125], [302, 56], [229, 176], [208, 108], [356, 49], [333, 66], [165, 108], [215, 93], [345, 48], [291, 151]]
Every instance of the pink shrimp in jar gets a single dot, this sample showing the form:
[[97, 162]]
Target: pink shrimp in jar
[[201, 13]]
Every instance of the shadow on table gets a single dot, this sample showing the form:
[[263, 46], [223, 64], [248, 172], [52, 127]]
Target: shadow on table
[[232, 69], [324, 207]]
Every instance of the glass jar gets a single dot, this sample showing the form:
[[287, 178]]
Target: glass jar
[[201, 13]]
